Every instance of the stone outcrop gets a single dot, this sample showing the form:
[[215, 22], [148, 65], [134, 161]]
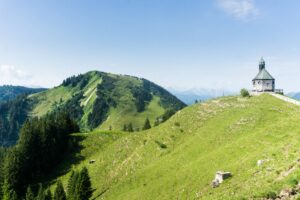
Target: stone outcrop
[[220, 177]]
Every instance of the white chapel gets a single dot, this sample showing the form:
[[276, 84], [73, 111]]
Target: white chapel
[[263, 82]]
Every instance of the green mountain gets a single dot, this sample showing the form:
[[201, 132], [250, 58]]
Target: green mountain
[[107, 101], [9, 92], [96, 100], [179, 158]]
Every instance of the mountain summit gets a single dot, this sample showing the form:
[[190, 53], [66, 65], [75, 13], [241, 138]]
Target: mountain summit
[[107, 101], [99, 100]]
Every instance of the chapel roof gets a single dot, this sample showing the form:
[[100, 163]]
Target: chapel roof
[[263, 75]]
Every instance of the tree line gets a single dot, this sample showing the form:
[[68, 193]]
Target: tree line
[[81, 81], [129, 127], [13, 114], [79, 188], [40, 148], [9, 92]]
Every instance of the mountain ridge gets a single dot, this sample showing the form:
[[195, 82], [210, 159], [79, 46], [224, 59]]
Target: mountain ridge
[[106, 101], [9, 92]]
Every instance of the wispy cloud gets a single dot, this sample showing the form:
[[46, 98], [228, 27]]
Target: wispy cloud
[[13, 76], [240, 9]]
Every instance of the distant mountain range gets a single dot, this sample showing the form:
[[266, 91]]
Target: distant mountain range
[[9, 92], [294, 95], [200, 94]]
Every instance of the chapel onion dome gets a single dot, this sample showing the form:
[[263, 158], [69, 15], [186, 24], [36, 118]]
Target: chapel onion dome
[[262, 64]]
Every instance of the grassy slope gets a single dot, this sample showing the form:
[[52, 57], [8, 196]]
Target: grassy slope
[[46, 99], [124, 113], [229, 134], [89, 98]]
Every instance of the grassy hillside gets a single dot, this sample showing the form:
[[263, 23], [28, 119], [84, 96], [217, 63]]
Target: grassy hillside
[[106, 101], [178, 159]]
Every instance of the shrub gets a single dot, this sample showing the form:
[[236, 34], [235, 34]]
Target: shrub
[[79, 185], [161, 145], [147, 124], [177, 124], [59, 193], [130, 127], [244, 93], [293, 181], [271, 195]]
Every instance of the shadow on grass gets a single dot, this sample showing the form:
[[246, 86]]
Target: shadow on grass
[[71, 157], [101, 193]]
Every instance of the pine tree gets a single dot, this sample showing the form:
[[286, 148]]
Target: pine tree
[[84, 186], [130, 127], [29, 194], [59, 193], [71, 189], [5, 191], [156, 123], [41, 193], [147, 124], [13, 173], [1, 178], [125, 127], [14, 196], [8, 192], [48, 195]]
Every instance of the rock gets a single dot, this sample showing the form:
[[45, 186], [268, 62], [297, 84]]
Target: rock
[[215, 183], [260, 163], [298, 187], [221, 176], [92, 161], [285, 193], [269, 169]]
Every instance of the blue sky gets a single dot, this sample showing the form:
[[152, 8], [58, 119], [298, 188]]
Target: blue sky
[[175, 43]]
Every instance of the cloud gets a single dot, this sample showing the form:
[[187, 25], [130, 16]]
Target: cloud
[[240, 9], [10, 75]]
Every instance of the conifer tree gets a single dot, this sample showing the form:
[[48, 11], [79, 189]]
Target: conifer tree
[[48, 195], [71, 189], [59, 193], [79, 186], [147, 124], [125, 127], [8, 193], [1, 175], [29, 194], [14, 196], [84, 185], [130, 127], [156, 123], [41, 193], [5, 191], [40, 147]]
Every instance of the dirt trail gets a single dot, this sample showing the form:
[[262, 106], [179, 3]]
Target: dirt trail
[[287, 99]]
